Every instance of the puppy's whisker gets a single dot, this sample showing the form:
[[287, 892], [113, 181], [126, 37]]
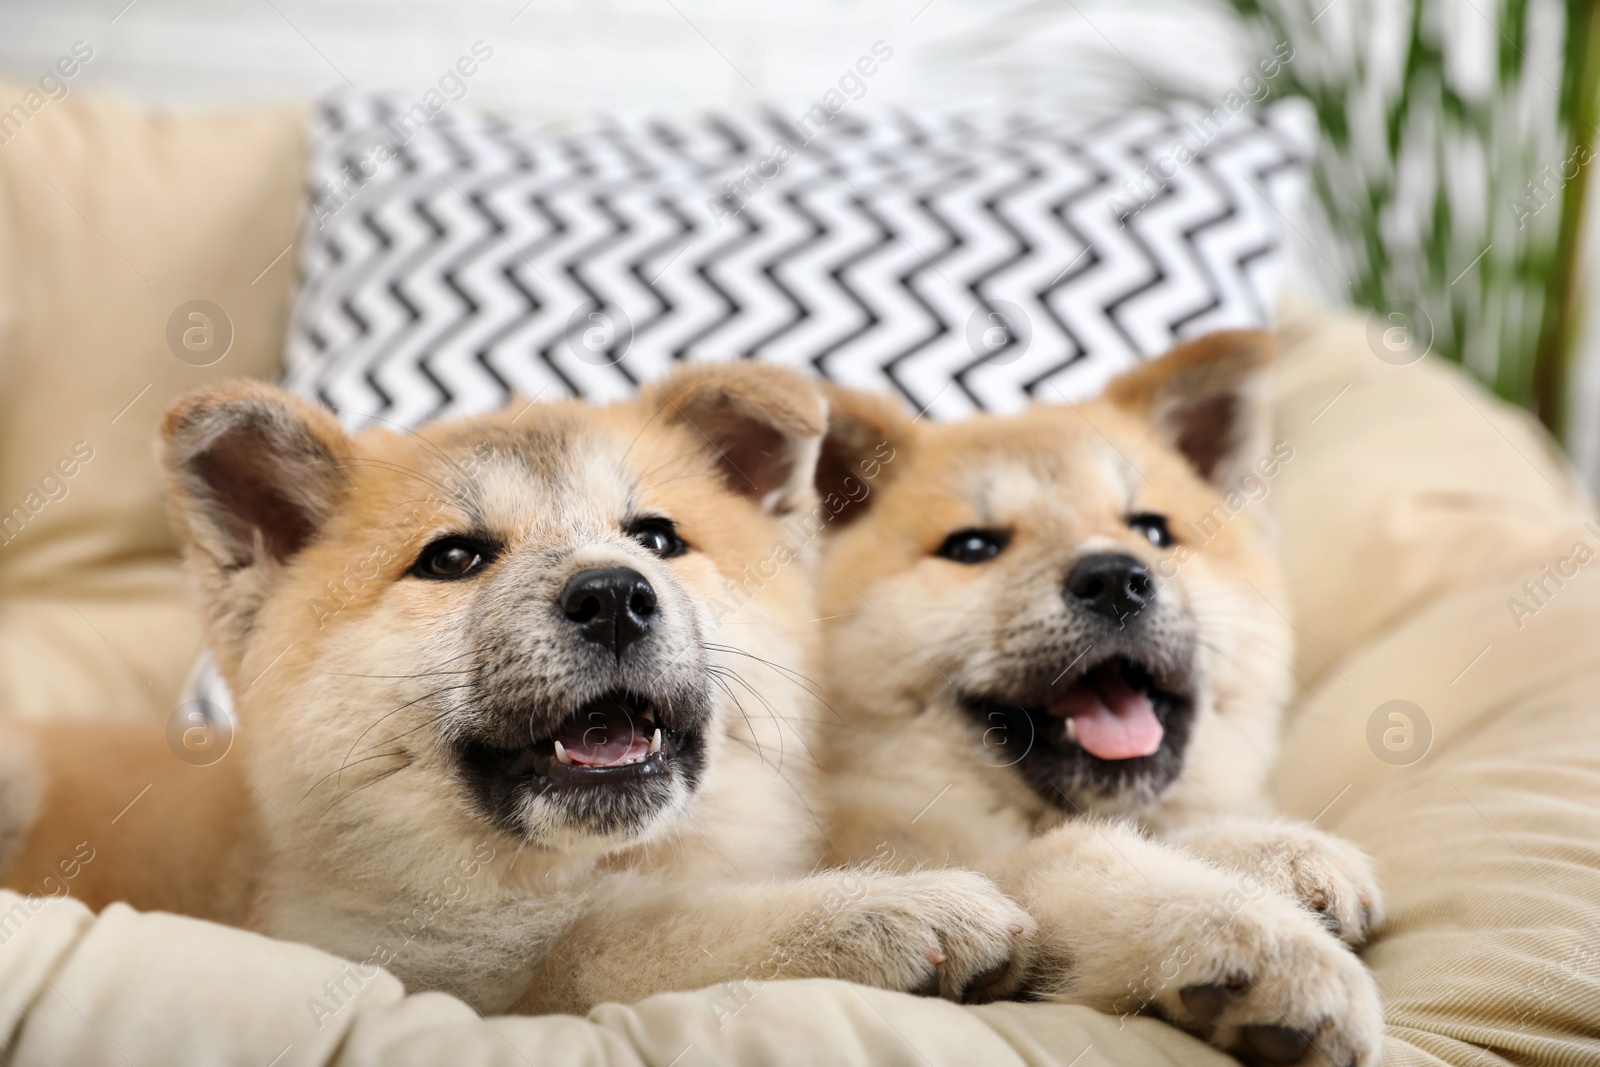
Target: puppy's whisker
[[420, 726], [718, 647], [773, 714], [339, 770], [806, 684], [385, 776], [927, 609], [748, 724], [788, 672], [403, 707], [419, 674]]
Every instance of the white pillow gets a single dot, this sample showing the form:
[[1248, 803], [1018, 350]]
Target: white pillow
[[972, 261]]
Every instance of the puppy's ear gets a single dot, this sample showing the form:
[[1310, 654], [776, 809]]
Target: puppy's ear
[[764, 425], [1207, 399], [252, 474], [867, 432]]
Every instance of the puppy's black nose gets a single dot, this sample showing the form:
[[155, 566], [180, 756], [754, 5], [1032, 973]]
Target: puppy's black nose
[[612, 606], [1112, 584]]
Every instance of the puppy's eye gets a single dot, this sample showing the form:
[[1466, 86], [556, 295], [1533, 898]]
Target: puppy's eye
[[659, 536], [453, 557], [974, 546], [1154, 528]]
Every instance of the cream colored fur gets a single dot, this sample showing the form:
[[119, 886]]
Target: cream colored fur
[[355, 680], [1186, 898]]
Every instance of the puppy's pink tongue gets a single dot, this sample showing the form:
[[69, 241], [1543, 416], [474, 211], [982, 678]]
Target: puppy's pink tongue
[[604, 736], [1112, 719]]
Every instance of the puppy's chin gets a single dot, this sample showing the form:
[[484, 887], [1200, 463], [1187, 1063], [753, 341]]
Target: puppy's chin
[[1105, 736], [608, 775]]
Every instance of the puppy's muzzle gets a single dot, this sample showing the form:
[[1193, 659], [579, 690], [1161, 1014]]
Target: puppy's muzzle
[[611, 606], [1112, 585]]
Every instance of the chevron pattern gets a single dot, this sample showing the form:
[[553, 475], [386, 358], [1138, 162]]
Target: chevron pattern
[[966, 262]]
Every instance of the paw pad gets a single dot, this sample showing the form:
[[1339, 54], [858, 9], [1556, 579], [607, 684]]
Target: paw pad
[[1205, 1002], [1274, 1046], [986, 986]]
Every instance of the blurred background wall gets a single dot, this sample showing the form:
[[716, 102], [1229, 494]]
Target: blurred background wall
[[1448, 194]]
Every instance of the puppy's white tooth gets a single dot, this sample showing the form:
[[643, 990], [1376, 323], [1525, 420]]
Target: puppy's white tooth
[[1072, 731], [562, 757], [655, 742]]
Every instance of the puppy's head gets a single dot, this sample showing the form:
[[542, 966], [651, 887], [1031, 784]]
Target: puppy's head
[[1072, 596], [499, 623]]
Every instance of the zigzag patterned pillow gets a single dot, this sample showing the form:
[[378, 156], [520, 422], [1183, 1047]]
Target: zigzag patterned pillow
[[965, 262]]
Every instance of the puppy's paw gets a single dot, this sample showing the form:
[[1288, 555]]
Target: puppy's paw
[[935, 933], [1326, 874], [1262, 982], [1276, 991]]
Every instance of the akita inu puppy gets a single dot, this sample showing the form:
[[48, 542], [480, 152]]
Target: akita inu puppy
[[504, 734], [1051, 641]]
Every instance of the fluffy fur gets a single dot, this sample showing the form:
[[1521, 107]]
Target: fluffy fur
[[408, 808], [1161, 883]]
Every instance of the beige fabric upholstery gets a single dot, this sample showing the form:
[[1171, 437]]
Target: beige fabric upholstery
[[1414, 511], [109, 220], [1407, 482], [1414, 508], [1490, 844], [164, 990]]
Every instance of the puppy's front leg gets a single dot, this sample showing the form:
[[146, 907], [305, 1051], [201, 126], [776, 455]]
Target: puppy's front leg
[[1128, 924], [951, 933], [1327, 874]]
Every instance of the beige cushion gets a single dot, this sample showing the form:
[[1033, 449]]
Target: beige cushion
[[131, 989], [1413, 511], [1406, 482], [110, 219], [1489, 844]]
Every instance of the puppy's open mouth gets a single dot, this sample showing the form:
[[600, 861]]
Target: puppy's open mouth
[[614, 733], [616, 738], [608, 767], [1103, 727], [1113, 711]]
